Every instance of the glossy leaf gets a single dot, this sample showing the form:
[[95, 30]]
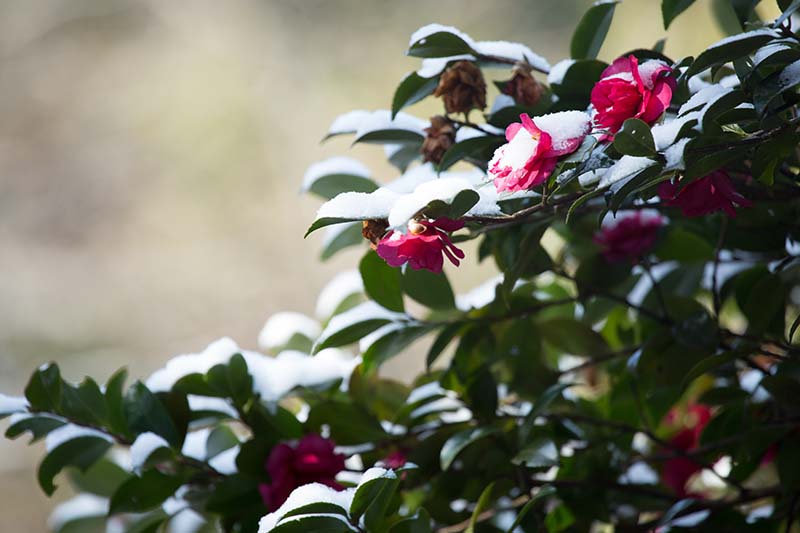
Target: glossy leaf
[[591, 30]]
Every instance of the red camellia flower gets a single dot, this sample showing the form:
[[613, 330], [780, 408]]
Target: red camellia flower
[[396, 459], [691, 423], [629, 237], [311, 460], [704, 196], [533, 148], [629, 90], [423, 246]]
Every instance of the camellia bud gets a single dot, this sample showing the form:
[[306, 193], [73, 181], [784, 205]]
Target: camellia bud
[[373, 231], [462, 88], [415, 228], [523, 87], [441, 135]]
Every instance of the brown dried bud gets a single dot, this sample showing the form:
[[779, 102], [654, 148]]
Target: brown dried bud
[[440, 137], [374, 230], [523, 87], [462, 88]]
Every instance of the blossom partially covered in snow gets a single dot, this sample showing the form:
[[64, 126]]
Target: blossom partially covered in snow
[[709, 194], [629, 90], [423, 246], [629, 237], [533, 148], [311, 460]]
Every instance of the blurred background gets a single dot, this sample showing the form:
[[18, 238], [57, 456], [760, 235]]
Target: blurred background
[[151, 154]]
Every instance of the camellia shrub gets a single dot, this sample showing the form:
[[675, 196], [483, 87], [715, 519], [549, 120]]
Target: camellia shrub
[[633, 366]]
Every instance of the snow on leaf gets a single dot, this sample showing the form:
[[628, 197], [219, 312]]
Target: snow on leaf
[[83, 505], [282, 326], [144, 446], [627, 166], [334, 165], [344, 285]]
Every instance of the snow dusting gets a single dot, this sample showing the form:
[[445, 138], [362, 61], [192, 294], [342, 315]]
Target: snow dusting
[[626, 167], [382, 120], [83, 505], [359, 205], [559, 70], [479, 296], [12, 404], [368, 310], [743, 36], [344, 285], [348, 122], [68, 432], [515, 51], [274, 378], [144, 446], [281, 327], [430, 29], [564, 127]]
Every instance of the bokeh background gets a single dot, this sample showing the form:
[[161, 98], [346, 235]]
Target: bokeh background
[[151, 153]]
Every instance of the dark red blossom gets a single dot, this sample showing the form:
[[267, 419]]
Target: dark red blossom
[[629, 237], [704, 196], [423, 246], [311, 460], [690, 423]]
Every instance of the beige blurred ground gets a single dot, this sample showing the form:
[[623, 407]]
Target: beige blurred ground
[[151, 153]]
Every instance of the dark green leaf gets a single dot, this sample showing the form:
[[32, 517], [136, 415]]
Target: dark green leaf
[[459, 441], [102, 478], [544, 492], [44, 389], [220, 439], [483, 504], [145, 412], [381, 282], [591, 30], [349, 424], [80, 452], [573, 337], [38, 425], [330, 185], [635, 139], [412, 89], [115, 388], [428, 288], [794, 6], [349, 236], [421, 523], [729, 50], [541, 453], [441, 342], [391, 344], [390, 136], [440, 44], [350, 333], [682, 245], [317, 524], [477, 148], [672, 8], [143, 493]]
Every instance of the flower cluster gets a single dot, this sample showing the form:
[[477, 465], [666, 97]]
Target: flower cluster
[[423, 245]]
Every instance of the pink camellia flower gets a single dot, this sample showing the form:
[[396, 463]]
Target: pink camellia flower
[[533, 148], [396, 459], [311, 460], [629, 90], [704, 196], [423, 246], [629, 237], [690, 424]]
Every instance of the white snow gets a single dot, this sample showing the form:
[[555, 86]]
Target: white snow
[[368, 340], [368, 310], [501, 101], [730, 81], [768, 50], [639, 473], [342, 286], [275, 377], [144, 446], [433, 66], [564, 126], [225, 462], [67, 432], [12, 404], [207, 403], [348, 122], [194, 445], [591, 177], [647, 69], [403, 198], [382, 120], [674, 155], [83, 505], [559, 70], [425, 391], [515, 51], [218, 352], [407, 206], [479, 296], [334, 165], [627, 166], [359, 205], [666, 133], [790, 75], [743, 36], [282, 326]]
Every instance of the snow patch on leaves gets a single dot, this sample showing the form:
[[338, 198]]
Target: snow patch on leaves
[[12, 404], [281, 327], [68, 432], [344, 285], [334, 165], [144, 446], [83, 505]]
